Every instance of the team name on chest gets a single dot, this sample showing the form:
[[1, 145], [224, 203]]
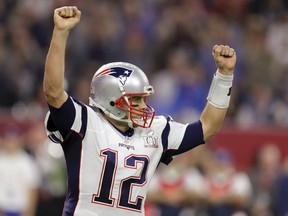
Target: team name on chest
[[145, 140]]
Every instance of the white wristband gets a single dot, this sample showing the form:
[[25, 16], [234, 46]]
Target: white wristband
[[220, 90]]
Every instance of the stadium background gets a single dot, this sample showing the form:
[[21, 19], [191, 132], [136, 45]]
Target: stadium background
[[171, 41]]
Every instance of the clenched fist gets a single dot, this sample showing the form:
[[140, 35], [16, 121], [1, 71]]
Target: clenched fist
[[225, 59], [66, 18]]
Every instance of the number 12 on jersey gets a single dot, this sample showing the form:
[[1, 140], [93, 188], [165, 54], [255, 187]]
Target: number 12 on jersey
[[109, 169]]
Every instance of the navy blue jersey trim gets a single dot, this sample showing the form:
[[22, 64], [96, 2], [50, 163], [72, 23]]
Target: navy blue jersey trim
[[54, 138], [72, 148], [192, 138], [128, 133], [62, 118], [84, 118], [50, 124], [166, 158]]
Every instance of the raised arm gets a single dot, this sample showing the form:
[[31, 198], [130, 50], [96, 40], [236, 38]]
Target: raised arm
[[65, 19], [219, 94]]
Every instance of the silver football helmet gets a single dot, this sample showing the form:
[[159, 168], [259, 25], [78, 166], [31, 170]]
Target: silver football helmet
[[112, 88]]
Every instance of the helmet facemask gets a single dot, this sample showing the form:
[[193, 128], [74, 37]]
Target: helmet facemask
[[135, 115]]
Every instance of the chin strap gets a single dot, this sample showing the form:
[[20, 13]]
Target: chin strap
[[94, 104]]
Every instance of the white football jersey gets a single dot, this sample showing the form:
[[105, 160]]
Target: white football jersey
[[108, 171]]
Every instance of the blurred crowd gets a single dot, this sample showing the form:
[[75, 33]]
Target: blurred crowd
[[171, 40]]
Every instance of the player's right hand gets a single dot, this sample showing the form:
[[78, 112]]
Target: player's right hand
[[66, 18]]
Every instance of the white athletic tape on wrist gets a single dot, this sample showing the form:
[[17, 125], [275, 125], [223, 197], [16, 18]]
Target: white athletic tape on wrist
[[220, 90]]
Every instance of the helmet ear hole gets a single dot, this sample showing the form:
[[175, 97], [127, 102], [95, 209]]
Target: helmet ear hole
[[112, 103]]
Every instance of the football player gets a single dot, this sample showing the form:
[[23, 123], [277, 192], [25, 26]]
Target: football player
[[113, 147]]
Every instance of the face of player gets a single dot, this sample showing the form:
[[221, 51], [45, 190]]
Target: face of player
[[138, 103], [138, 112]]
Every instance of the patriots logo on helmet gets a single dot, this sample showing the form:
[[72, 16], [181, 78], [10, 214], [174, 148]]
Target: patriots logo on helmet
[[119, 72]]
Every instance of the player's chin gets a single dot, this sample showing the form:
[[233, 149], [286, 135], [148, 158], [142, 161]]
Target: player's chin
[[137, 117]]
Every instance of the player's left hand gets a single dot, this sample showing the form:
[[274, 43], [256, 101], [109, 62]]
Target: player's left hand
[[225, 59]]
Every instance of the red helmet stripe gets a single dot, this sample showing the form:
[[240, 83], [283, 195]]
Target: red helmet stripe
[[106, 71]]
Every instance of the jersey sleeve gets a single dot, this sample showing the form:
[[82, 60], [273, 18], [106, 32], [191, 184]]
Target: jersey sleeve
[[71, 116], [179, 138]]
